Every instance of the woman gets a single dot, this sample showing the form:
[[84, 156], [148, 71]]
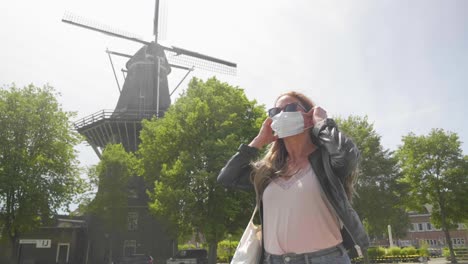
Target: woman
[[303, 185]]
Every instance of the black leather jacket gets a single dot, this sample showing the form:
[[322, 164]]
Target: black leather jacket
[[335, 159]]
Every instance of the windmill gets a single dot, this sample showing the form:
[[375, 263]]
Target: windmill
[[145, 92]]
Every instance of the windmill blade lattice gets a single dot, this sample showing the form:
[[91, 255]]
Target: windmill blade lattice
[[200, 62], [97, 26]]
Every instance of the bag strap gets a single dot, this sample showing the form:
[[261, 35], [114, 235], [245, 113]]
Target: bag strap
[[253, 214]]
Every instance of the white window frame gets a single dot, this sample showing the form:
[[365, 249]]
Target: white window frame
[[129, 243], [420, 227], [133, 193], [458, 239], [58, 248], [429, 226], [132, 226], [431, 242]]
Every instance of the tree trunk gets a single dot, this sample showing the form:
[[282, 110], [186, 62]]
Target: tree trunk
[[443, 216], [14, 254], [447, 235], [213, 252], [449, 241]]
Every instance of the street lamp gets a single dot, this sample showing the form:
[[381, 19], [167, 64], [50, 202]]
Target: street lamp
[[230, 248], [390, 238]]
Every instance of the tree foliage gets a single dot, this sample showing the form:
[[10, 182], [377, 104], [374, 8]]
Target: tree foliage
[[112, 173], [378, 199], [183, 153], [436, 171], [38, 167]]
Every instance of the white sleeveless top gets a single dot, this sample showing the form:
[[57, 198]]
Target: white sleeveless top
[[297, 217]]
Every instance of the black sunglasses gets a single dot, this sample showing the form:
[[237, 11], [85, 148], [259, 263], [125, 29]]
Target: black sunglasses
[[291, 107]]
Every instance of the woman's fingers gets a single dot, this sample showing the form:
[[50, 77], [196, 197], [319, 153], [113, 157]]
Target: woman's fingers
[[313, 116], [319, 114], [265, 135]]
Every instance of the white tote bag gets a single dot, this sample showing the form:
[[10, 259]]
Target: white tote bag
[[249, 249]]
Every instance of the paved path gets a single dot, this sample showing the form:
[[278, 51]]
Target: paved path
[[444, 261], [441, 261], [436, 261]]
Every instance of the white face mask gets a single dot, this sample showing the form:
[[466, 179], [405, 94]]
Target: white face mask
[[286, 124]]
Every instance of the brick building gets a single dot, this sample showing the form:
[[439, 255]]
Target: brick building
[[422, 230]]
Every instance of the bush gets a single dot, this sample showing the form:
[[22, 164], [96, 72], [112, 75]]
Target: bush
[[394, 251], [187, 246], [407, 251], [446, 253], [424, 250], [376, 252], [226, 250]]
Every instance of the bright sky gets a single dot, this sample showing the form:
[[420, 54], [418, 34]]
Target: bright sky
[[402, 63]]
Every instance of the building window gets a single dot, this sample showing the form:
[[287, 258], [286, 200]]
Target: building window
[[420, 227], [415, 227], [132, 221], [133, 193], [129, 247], [63, 252], [404, 243], [428, 226], [461, 226], [431, 242], [458, 241]]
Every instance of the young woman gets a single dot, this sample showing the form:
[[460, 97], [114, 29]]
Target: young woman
[[304, 184]]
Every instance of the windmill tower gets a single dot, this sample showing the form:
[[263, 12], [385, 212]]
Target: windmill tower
[[145, 94]]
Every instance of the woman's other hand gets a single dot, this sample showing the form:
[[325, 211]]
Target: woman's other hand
[[314, 116]]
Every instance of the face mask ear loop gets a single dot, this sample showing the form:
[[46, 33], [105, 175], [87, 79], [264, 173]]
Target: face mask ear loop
[[308, 127], [303, 116]]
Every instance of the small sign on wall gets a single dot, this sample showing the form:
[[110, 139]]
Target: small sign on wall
[[40, 243]]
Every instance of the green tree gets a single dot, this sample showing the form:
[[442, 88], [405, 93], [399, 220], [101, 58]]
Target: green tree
[[436, 171], [378, 200], [38, 167], [184, 152], [111, 201]]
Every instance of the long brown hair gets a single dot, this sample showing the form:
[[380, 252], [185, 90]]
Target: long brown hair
[[274, 163]]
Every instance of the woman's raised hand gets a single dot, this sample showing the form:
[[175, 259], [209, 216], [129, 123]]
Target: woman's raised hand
[[314, 116], [265, 135]]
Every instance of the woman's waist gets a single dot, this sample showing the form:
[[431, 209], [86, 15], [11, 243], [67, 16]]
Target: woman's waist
[[337, 250]]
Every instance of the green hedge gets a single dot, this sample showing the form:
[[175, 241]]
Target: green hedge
[[394, 254], [409, 251], [393, 251], [424, 250], [190, 246], [376, 252], [226, 249]]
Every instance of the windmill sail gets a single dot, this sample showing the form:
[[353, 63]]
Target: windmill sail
[[187, 58], [99, 27]]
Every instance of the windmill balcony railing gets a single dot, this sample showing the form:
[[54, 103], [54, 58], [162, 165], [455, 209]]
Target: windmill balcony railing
[[108, 114]]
